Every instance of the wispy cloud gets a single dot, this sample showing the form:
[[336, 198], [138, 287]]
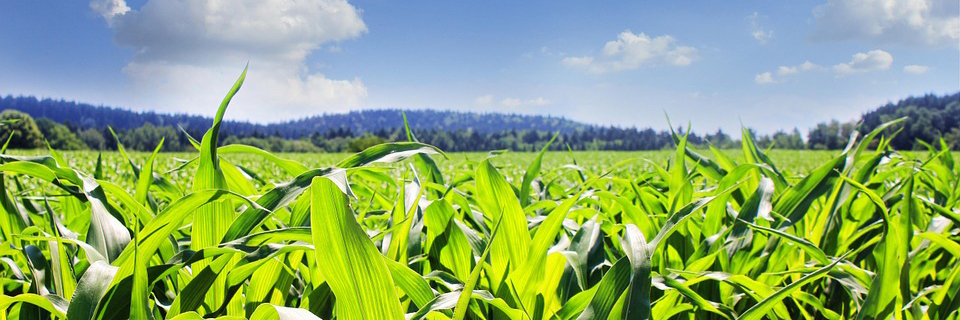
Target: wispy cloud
[[916, 69], [759, 33], [488, 101], [514, 102], [786, 71], [484, 100], [803, 67]]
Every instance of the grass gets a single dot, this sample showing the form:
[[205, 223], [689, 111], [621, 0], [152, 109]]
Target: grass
[[404, 231]]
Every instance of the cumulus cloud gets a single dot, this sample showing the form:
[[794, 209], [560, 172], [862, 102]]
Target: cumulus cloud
[[875, 60], [924, 22], [764, 78], [916, 69], [187, 53], [631, 51], [109, 8]]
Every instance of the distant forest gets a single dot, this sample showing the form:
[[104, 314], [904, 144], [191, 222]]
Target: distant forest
[[70, 125]]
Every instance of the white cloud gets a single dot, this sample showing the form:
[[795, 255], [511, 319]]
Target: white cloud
[[875, 60], [188, 53], [759, 33], [803, 67], [538, 102], [109, 8], [485, 100], [514, 102], [807, 66], [762, 35], [631, 51], [578, 62], [764, 78], [784, 71], [916, 69], [511, 102], [926, 22]]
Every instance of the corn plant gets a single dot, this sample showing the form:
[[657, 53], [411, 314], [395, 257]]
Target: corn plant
[[386, 234]]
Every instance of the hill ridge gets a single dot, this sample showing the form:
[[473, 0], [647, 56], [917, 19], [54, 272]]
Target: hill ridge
[[85, 115]]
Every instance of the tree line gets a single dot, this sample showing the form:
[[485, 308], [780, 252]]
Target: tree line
[[931, 117], [85, 116]]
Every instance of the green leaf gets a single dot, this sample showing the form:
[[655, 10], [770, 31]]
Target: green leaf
[[460, 311], [90, 289], [348, 260], [614, 282], [276, 198], [290, 166], [272, 312], [55, 305], [212, 220], [425, 164], [388, 153], [497, 200], [637, 303], [795, 202], [884, 296], [757, 205], [764, 306], [533, 170]]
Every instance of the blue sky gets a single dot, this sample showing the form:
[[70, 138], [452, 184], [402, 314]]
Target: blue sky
[[770, 64]]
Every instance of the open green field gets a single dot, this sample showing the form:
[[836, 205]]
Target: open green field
[[403, 231], [794, 162]]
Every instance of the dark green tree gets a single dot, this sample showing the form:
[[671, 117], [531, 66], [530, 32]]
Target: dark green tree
[[364, 142], [148, 136], [59, 136], [93, 139], [792, 140], [830, 136], [25, 133], [930, 117]]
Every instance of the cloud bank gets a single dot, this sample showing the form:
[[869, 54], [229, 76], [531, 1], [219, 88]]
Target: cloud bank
[[188, 53], [923, 22]]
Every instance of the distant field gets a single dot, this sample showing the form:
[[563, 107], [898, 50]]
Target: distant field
[[791, 161]]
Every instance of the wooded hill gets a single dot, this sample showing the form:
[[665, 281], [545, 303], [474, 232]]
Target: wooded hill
[[72, 125]]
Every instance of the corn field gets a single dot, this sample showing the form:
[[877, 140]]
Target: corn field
[[385, 234]]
